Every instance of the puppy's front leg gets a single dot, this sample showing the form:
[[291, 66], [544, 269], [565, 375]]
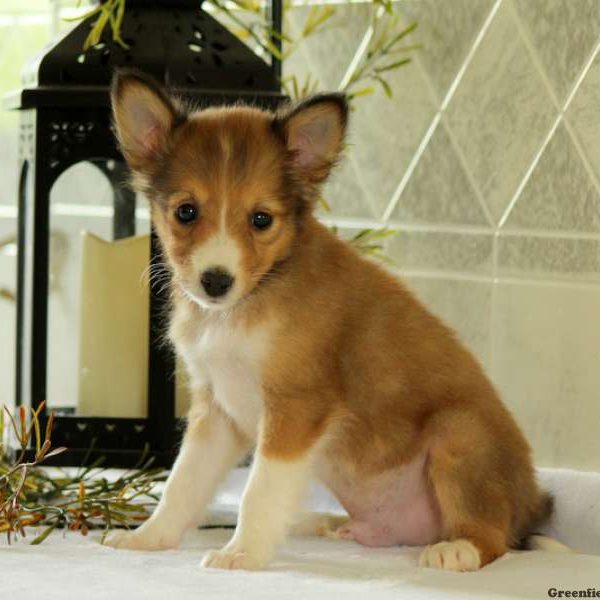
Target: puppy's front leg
[[211, 446], [278, 478]]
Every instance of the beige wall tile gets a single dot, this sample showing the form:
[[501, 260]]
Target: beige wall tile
[[583, 115], [560, 194], [500, 113], [327, 54], [446, 32], [545, 363], [385, 133], [549, 258], [345, 193], [439, 190], [463, 305], [563, 33], [442, 251]]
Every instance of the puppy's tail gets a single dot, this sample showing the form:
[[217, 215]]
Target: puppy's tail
[[543, 542], [536, 541]]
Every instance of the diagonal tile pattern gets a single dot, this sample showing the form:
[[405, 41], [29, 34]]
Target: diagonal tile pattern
[[500, 112], [553, 27], [439, 22], [560, 194], [439, 190], [487, 161], [495, 124]]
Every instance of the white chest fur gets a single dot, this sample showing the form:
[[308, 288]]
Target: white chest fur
[[229, 359]]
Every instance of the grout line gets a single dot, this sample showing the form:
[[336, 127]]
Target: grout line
[[439, 228], [584, 72], [547, 282], [444, 105], [412, 165], [360, 51], [525, 35], [537, 63], [484, 29], [433, 94], [446, 275], [581, 153], [469, 174], [350, 222], [457, 150], [528, 173], [555, 125], [143, 213], [550, 234], [504, 280]]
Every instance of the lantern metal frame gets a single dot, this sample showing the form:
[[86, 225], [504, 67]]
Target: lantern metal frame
[[65, 119]]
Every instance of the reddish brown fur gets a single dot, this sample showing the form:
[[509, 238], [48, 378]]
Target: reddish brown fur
[[356, 357]]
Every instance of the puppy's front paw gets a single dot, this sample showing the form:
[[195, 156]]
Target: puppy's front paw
[[458, 555], [232, 559], [139, 540]]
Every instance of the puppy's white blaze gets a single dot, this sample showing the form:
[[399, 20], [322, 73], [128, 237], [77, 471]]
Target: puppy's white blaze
[[221, 250]]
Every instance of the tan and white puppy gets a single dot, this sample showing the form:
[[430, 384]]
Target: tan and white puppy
[[304, 350]]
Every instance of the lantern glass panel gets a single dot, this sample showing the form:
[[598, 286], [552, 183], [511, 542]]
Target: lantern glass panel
[[97, 298]]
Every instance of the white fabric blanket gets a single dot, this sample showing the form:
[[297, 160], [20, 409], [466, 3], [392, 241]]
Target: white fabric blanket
[[72, 567]]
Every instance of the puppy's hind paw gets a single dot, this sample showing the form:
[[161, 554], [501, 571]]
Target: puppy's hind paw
[[458, 555], [319, 524]]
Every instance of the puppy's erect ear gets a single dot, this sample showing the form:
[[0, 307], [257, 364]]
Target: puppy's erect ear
[[144, 116], [314, 133]]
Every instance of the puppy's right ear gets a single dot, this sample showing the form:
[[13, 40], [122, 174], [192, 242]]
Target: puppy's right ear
[[144, 117]]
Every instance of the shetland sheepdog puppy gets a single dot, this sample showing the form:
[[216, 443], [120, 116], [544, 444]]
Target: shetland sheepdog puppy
[[315, 357]]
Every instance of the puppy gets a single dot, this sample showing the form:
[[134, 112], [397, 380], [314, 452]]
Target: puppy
[[314, 356]]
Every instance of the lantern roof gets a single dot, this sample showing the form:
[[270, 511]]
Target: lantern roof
[[175, 41]]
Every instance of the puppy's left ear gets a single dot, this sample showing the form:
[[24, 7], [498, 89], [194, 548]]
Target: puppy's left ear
[[314, 132]]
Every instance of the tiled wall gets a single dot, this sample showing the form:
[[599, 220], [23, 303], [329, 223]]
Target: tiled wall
[[487, 162]]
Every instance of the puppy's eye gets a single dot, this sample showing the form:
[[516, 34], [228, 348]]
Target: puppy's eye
[[186, 213], [261, 220]]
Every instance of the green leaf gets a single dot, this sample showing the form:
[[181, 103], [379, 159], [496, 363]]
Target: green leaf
[[324, 204], [394, 65], [84, 16], [40, 538], [385, 85], [362, 92]]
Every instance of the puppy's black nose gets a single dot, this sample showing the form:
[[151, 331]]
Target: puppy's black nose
[[216, 282]]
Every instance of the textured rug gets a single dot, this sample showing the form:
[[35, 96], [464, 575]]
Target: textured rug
[[70, 566]]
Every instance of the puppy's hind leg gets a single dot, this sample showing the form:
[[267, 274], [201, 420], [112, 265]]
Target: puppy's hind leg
[[475, 508], [211, 446], [319, 525]]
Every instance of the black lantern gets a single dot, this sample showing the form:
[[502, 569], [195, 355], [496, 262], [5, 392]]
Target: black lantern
[[65, 119]]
